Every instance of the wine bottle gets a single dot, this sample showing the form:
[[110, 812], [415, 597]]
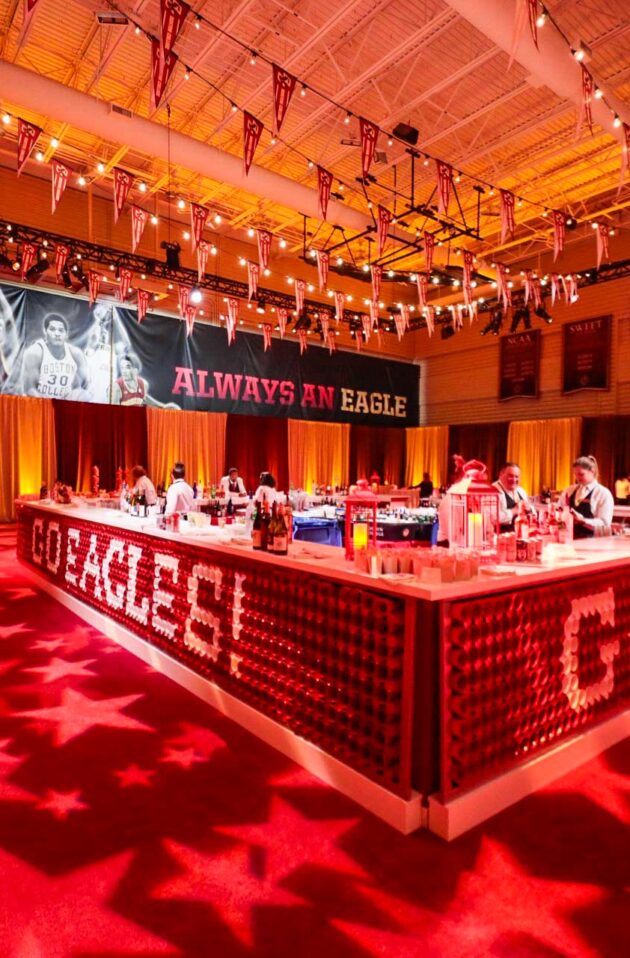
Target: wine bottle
[[271, 528], [281, 533], [266, 518], [257, 528]]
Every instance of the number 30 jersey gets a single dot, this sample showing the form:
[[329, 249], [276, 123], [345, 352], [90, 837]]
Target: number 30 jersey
[[56, 376]]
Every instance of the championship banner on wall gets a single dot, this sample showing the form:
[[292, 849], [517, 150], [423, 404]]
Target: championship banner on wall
[[61, 347], [519, 365], [586, 354]]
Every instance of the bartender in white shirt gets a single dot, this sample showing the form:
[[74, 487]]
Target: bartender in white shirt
[[143, 485], [512, 496], [591, 504], [232, 484], [266, 491], [179, 495]]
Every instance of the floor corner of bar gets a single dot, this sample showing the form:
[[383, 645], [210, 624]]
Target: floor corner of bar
[[315, 479]]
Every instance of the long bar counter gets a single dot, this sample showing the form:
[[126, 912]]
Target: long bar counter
[[430, 704]]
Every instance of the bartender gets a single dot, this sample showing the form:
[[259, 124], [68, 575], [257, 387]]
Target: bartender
[[512, 497], [179, 495], [267, 491], [591, 504], [232, 484], [143, 485]]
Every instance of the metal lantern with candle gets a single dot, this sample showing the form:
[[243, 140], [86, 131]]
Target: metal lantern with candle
[[360, 516], [474, 512]]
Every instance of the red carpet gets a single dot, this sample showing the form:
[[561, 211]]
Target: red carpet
[[135, 820]]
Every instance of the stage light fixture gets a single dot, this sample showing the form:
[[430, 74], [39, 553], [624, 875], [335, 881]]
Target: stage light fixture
[[196, 296], [260, 306], [172, 251]]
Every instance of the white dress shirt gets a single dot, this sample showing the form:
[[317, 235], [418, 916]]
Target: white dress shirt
[[225, 486], [179, 497], [519, 495], [268, 494], [144, 487], [602, 505]]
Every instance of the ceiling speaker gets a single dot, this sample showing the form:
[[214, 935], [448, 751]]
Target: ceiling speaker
[[407, 133]]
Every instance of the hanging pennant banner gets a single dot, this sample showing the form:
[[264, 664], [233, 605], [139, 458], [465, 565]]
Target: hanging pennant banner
[[139, 219], [383, 222], [537, 293], [300, 289], [302, 338], [404, 312], [526, 11], [555, 288], [324, 186], [173, 15], [503, 290], [143, 303], [572, 290], [377, 276], [162, 66], [29, 6], [559, 228], [602, 233], [61, 256], [366, 325], [528, 284], [472, 311], [430, 319], [422, 281], [28, 135], [190, 311], [330, 342], [198, 217], [374, 320], [126, 276], [253, 272], [358, 335], [202, 258], [183, 293], [252, 131], [586, 103], [283, 87], [264, 247], [369, 139], [324, 321], [399, 320], [267, 335], [94, 285], [625, 154], [232, 317], [60, 176], [29, 255], [283, 316], [122, 184], [507, 214], [564, 287], [340, 299], [323, 262], [429, 246], [467, 284], [444, 184]]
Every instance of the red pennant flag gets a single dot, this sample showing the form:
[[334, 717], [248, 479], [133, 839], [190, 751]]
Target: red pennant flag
[[366, 324], [283, 87], [324, 320], [586, 103], [429, 246], [340, 299], [555, 288], [528, 282], [198, 217], [232, 317], [173, 15], [122, 184], [399, 320], [559, 231], [358, 335], [324, 186], [383, 222], [126, 276], [300, 289], [202, 258], [303, 344], [625, 154], [565, 288], [369, 139], [503, 289], [29, 6], [60, 175], [190, 311], [94, 285], [467, 285], [422, 280], [139, 219], [29, 255], [507, 214], [330, 342], [572, 292], [183, 294], [537, 293], [444, 184], [264, 247], [253, 272], [283, 316], [374, 313], [252, 131], [377, 276], [430, 318], [28, 135], [323, 261], [143, 303], [404, 311], [162, 66], [61, 256], [267, 335], [602, 233]]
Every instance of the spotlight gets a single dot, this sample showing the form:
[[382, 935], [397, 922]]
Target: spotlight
[[260, 306], [196, 296]]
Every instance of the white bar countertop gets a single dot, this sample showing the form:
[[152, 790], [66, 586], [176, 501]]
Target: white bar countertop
[[591, 556]]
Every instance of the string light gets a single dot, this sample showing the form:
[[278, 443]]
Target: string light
[[39, 156], [282, 244], [541, 20], [598, 93], [81, 181], [101, 168], [181, 204], [54, 142], [616, 121], [253, 58], [346, 118], [6, 119], [303, 91], [154, 220]]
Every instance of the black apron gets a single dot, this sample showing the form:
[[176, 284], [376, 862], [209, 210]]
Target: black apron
[[584, 509], [510, 502], [232, 485]]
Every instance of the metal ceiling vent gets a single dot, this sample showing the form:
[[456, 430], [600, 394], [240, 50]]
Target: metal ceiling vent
[[112, 18], [121, 110]]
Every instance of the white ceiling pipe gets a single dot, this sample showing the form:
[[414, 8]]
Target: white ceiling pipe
[[552, 63], [42, 95]]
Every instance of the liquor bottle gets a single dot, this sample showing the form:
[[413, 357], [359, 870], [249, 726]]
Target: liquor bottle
[[288, 518], [271, 527], [195, 488], [265, 520], [229, 511], [281, 533], [521, 526], [257, 528], [213, 491]]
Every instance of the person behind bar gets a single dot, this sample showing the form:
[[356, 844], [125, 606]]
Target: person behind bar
[[232, 484], [512, 496], [143, 485], [591, 504], [179, 495], [267, 491]]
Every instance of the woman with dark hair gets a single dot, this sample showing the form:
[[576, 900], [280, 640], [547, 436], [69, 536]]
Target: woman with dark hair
[[266, 491], [591, 504], [143, 485]]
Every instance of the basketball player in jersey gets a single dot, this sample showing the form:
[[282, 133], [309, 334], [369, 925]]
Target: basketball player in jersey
[[130, 389], [98, 353], [52, 368], [9, 343]]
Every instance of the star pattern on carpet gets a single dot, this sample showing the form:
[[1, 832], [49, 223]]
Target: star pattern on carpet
[[47, 645], [184, 757], [21, 593], [226, 882], [62, 668], [9, 764], [134, 775], [12, 631], [203, 740], [60, 804], [77, 714]]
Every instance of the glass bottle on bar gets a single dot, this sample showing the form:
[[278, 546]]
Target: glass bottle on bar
[[281, 532], [271, 527], [266, 518], [257, 528]]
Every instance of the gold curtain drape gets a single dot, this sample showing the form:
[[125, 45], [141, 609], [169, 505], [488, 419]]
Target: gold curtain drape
[[427, 451], [195, 438], [318, 452], [27, 427], [545, 450]]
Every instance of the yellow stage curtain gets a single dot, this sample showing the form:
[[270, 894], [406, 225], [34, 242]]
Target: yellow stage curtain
[[195, 438], [27, 427], [427, 451], [318, 452], [545, 450]]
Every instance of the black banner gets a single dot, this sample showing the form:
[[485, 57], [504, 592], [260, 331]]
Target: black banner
[[519, 365], [59, 347], [586, 354]]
